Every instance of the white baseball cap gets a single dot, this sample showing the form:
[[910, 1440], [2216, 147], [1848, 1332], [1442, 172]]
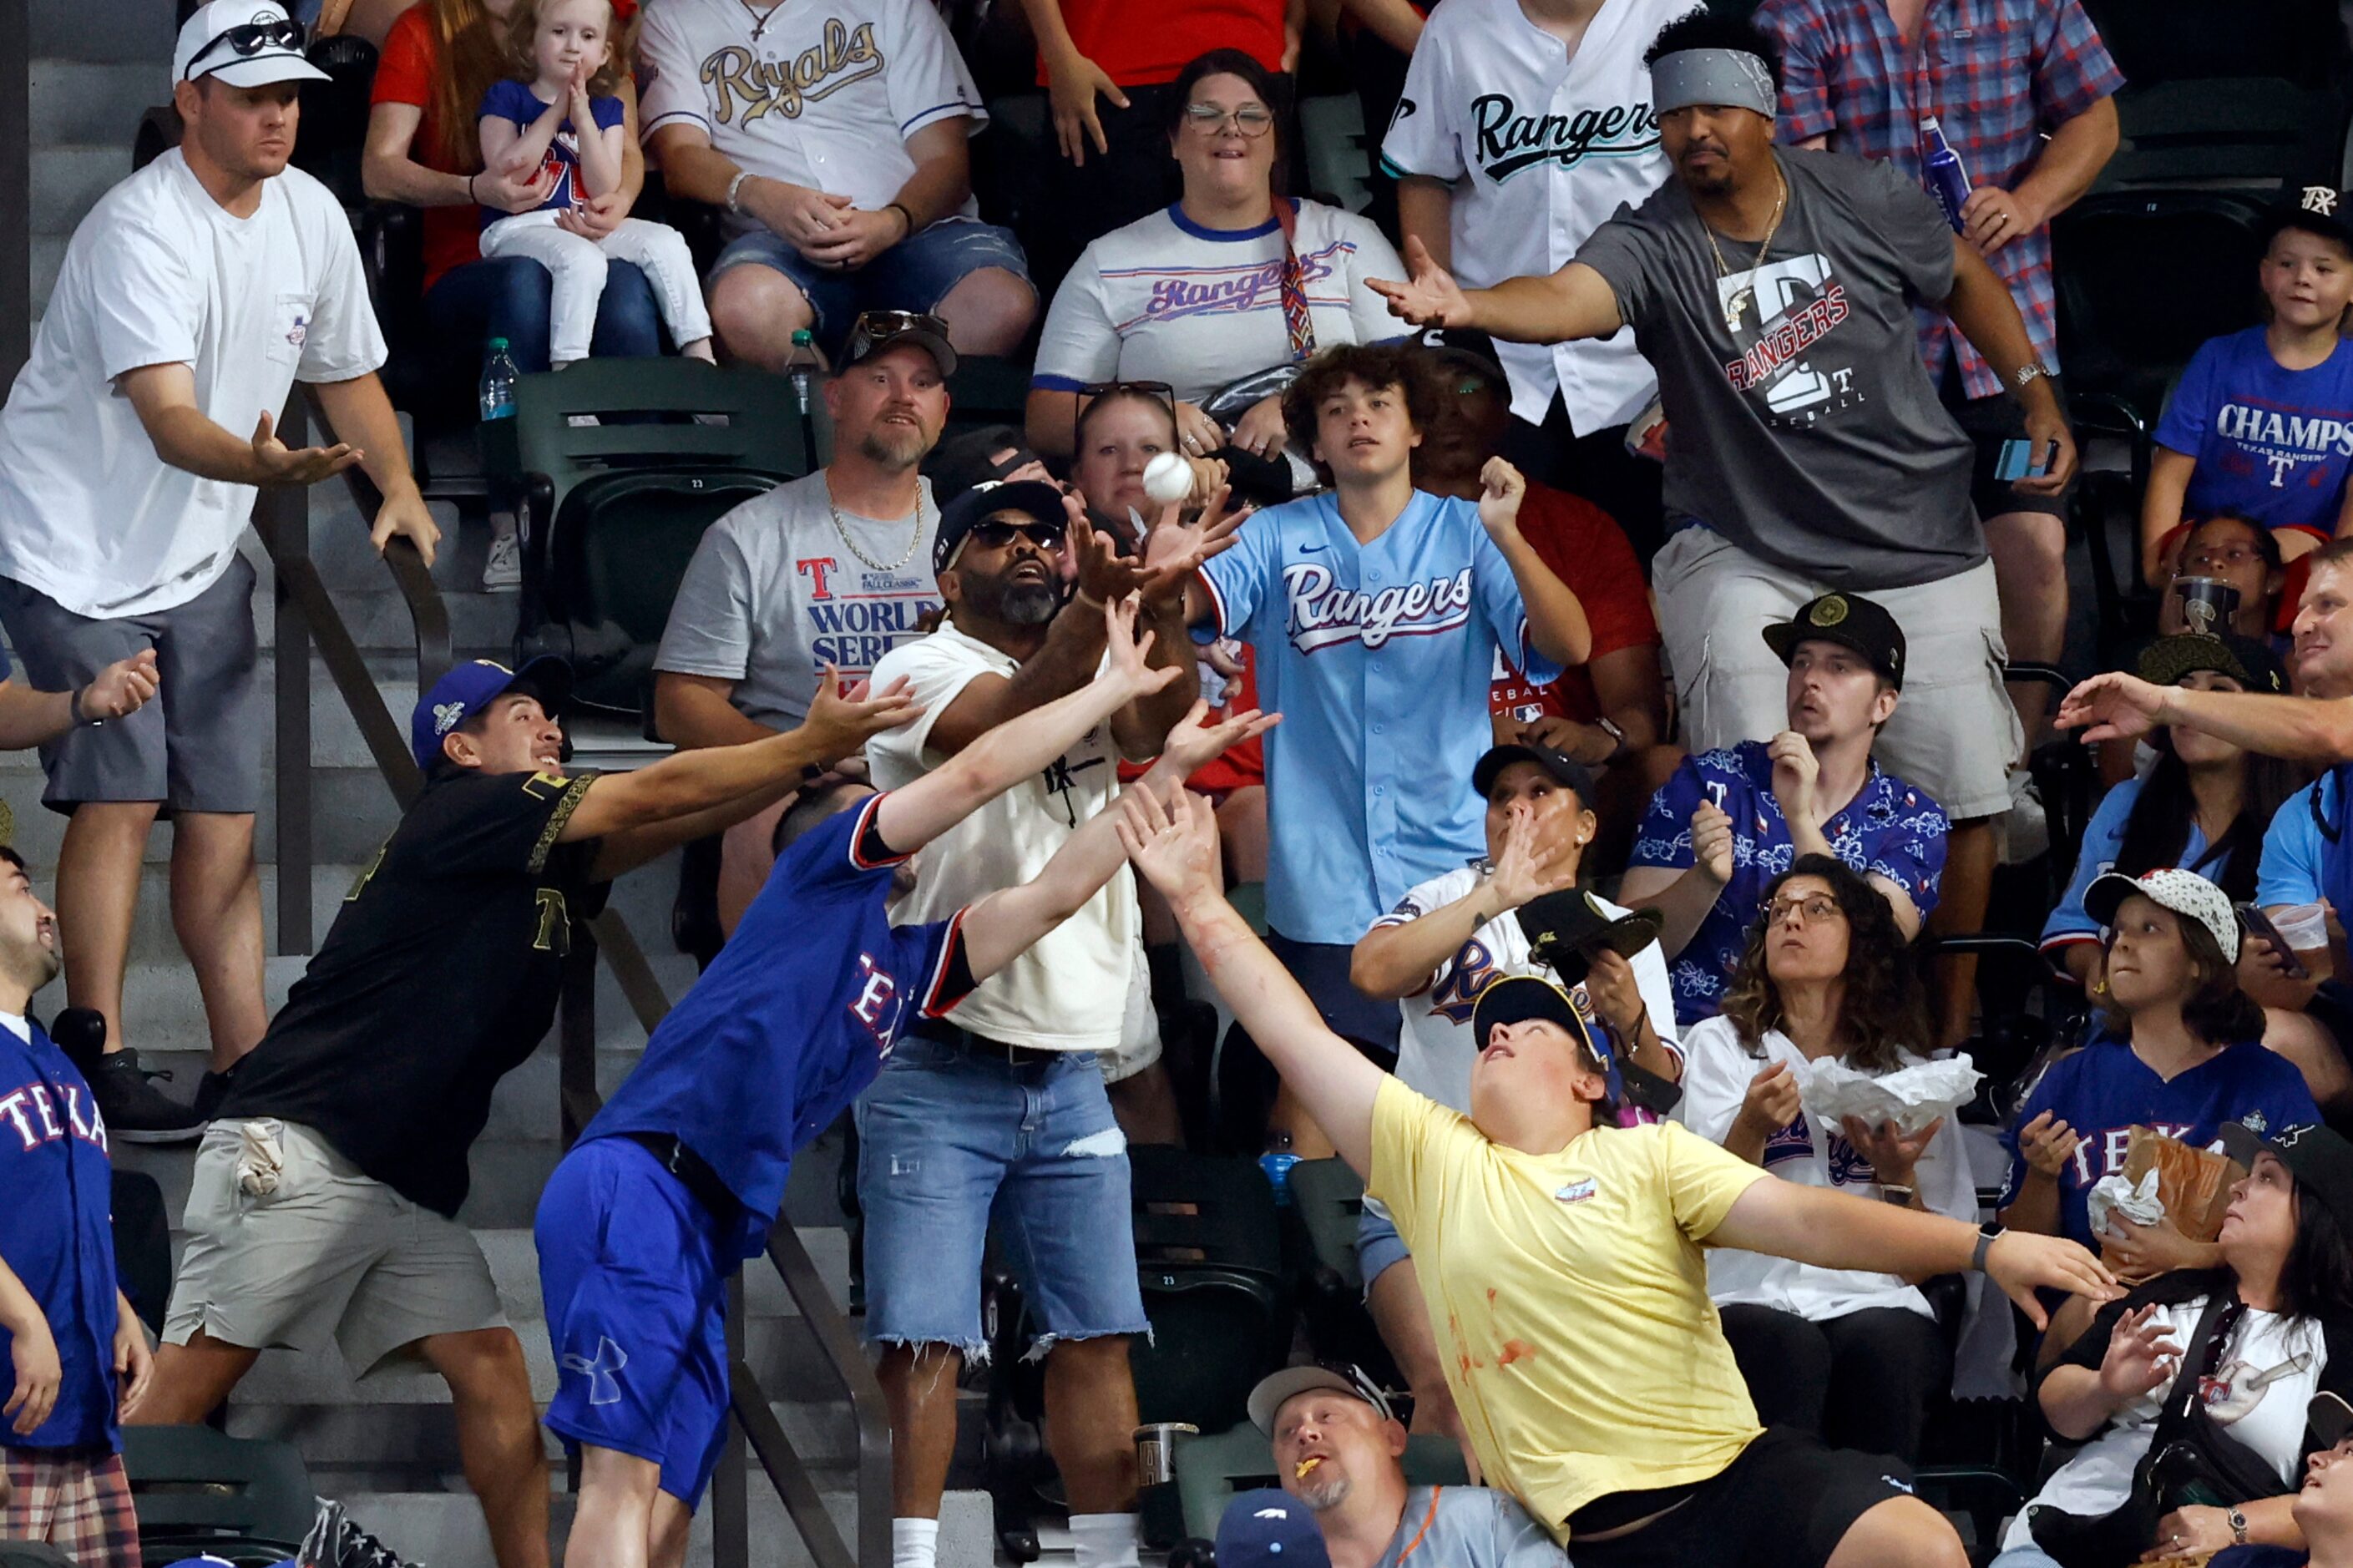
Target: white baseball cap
[[2186, 893], [244, 43]]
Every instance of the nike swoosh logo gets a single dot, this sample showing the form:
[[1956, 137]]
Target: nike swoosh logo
[[1310, 549]]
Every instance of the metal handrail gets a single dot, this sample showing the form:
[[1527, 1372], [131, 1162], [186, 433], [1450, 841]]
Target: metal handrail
[[307, 615]]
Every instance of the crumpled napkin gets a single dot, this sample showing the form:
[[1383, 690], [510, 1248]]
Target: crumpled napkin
[[2115, 1193], [1911, 1097]]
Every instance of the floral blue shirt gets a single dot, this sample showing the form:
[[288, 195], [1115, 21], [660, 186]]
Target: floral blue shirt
[[1889, 827]]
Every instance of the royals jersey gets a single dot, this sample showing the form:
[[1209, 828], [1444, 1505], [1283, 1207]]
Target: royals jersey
[[822, 93], [793, 1017], [1541, 146], [2104, 1090], [54, 1231], [1434, 1045], [1379, 657]]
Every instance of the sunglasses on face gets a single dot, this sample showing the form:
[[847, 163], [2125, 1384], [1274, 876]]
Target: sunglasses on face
[[1250, 120], [251, 39], [996, 535]]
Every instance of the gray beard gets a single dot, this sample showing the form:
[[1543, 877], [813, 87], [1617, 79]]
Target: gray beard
[[886, 449], [1029, 604], [1324, 1498]]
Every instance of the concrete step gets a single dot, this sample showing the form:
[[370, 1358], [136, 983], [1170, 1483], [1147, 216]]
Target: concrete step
[[130, 30], [94, 103], [68, 179]]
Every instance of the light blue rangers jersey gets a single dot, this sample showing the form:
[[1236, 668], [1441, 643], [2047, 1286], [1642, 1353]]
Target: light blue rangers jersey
[[1379, 657]]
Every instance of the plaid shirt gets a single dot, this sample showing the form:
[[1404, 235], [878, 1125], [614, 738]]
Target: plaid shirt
[[1997, 74]]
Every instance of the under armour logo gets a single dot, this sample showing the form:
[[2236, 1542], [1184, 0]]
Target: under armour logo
[[445, 716], [2318, 199], [602, 1372]]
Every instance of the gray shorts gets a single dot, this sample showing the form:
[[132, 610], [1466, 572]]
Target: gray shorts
[[197, 746], [330, 1256]]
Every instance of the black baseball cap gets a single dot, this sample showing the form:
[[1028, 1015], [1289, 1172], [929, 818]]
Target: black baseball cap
[[2250, 662], [1567, 927], [1033, 499], [876, 330], [2320, 1161], [1270, 1529], [2316, 209], [1564, 769], [1851, 621], [970, 457]]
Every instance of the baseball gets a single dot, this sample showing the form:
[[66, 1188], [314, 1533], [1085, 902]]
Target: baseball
[[1167, 478]]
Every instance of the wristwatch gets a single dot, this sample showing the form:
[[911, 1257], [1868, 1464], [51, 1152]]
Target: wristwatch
[[2237, 1520], [1987, 1234], [2027, 372], [1616, 737], [1894, 1195]]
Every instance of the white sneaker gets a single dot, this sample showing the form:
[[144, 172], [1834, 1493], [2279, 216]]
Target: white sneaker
[[502, 568]]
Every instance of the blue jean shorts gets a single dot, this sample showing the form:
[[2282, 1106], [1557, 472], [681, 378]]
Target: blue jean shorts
[[913, 275], [1379, 1247], [952, 1146], [632, 1273]]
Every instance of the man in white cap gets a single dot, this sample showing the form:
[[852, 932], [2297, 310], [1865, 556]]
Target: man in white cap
[[191, 299], [1338, 1447]]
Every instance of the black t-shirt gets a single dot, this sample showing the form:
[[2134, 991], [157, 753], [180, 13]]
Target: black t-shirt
[[440, 976]]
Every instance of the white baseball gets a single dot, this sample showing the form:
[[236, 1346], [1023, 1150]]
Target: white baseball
[[1167, 478]]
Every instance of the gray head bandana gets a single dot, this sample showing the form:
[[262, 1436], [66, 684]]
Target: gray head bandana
[[1732, 78]]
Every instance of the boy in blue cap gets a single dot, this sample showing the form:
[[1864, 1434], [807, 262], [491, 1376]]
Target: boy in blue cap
[[322, 1211]]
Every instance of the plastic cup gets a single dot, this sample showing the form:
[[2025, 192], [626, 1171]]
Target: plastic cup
[[2304, 926]]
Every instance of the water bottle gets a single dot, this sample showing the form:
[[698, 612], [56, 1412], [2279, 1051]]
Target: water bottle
[[1276, 1163], [498, 381], [1948, 180], [800, 366]]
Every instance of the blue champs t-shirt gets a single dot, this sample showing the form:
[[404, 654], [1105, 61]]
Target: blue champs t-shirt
[[513, 101], [2271, 443], [1889, 827], [2104, 1090]]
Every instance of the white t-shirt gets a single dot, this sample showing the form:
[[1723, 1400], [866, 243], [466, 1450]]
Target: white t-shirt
[[1068, 993], [776, 593], [824, 96], [160, 273], [1166, 300], [2266, 1378], [1716, 1071], [1434, 1045], [1541, 147]]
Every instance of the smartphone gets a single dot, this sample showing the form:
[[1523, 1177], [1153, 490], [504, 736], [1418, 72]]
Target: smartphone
[[2018, 460], [2253, 920]]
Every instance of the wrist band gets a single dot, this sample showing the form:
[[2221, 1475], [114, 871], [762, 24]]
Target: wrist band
[[1088, 600], [80, 715], [902, 212], [734, 186], [470, 187]]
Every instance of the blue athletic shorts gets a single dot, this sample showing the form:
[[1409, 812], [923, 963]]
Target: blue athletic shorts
[[631, 1270]]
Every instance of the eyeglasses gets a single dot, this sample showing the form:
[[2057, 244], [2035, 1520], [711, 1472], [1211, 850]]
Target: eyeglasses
[[1250, 120], [251, 39], [2220, 555], [1814, 907], [996, 535]]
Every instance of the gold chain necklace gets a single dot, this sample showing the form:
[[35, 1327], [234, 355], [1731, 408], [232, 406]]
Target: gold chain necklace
[[842, 529], [1736, 307]]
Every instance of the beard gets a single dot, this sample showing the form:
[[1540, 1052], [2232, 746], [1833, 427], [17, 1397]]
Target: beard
[[893, 446], [1028, 603], [1324, 1496]]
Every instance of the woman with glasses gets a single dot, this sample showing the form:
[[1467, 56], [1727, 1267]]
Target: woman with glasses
[[2177, 1046], [1850, 1357], [1231, 279], [2232, 548]]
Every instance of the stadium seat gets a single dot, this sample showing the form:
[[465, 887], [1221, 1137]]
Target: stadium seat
[[2165, 41], [612, 511], [1208, 1252], [1326, 1200], [244, 1498]]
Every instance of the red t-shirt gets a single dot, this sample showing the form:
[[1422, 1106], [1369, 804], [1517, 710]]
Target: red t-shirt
[[1585, 545], [1141, 45], [404, 74]]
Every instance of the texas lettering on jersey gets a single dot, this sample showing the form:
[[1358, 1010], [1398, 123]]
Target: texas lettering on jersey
[[35, 1116], [2110, 1148], [743, 87], [2276, 443], [1505, 141], [1324, 614]]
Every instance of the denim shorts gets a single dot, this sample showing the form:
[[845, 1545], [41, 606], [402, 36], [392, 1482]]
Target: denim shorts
[[1379, 1247], [951, 1146], [913, 275]]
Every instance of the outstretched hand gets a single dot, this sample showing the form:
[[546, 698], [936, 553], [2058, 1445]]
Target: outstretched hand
[[1175, 847], [1526, 870], [1125, 651], [1502, 488], [2022, 1263], [1429, 296], [121, 688], [2141, 1355], [1194, 744], [1174, 549], [2116, 707], [278, 464], [841, 722]]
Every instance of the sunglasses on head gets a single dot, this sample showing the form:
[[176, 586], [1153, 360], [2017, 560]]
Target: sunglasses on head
[[1159, 391], [251, 39]]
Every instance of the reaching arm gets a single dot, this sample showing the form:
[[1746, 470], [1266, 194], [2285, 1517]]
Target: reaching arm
[[1144, 724], [1981, 307], [1685, 895], [1574, 302], [2117, 706], [2161, 509], [913, 816], [1395, 960], [30, 717], [1557, 622], [694, 710], [1426, 207], [1831, 1230], [361, 415], [617, 806]]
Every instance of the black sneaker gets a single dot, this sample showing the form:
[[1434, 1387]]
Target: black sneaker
[[211, 1089], [136, 1111]]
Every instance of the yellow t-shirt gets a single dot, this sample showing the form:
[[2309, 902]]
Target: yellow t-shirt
[[1569, 1299]]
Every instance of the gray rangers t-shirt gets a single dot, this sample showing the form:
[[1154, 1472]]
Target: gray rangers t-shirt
[[1809, 434], [778, 589]]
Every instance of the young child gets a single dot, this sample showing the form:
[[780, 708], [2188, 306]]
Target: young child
[[559, 112], [2262, 422]]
